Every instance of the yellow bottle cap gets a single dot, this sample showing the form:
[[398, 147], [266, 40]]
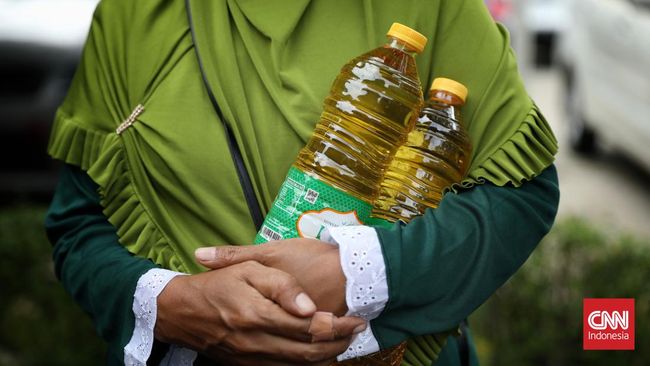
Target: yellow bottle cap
[[451, 86], [408, 36]]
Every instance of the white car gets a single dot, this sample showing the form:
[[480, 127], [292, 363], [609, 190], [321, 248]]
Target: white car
[[606, 58], [536, 25]]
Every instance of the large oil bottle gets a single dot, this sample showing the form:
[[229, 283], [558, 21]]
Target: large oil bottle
[[372, 105], [436, 155]]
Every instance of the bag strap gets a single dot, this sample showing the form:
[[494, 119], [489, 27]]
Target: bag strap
[[235, 153]]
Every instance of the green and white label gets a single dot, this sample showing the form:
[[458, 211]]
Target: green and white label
[[306, 206]]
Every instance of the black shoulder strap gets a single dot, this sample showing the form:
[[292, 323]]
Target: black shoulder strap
[[242, 173]]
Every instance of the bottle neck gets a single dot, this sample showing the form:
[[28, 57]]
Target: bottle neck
[[400, 45], [446, 97]]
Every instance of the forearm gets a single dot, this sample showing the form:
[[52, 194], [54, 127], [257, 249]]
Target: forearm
[[103, 277], [442, 266], [98, 272]]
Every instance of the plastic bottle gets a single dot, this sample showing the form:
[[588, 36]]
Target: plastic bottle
[[372, 105], [436, 155]]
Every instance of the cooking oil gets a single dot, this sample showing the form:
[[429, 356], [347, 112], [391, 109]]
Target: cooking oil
[[371, 107], [436, 155]]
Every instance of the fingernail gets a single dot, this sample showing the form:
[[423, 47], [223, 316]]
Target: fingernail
[[360, 328], [304, 303], [204, 254]]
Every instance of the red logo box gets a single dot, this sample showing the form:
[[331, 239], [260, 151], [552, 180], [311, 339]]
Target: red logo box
[[608, 324]]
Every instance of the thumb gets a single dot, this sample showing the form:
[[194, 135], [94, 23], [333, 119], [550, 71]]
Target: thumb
[[219, 257]]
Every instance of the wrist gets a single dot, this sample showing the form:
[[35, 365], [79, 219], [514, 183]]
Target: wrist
[[362, 263], [331, 262], [169, 303]]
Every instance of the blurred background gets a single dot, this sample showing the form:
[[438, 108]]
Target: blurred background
[[586, 63]]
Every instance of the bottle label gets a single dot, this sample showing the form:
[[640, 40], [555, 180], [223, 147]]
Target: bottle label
[[306, 206]]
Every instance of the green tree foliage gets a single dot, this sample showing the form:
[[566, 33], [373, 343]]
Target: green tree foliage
[[39, 322], [536, 318]]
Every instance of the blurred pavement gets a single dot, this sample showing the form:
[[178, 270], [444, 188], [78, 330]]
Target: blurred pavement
[[606, 188]]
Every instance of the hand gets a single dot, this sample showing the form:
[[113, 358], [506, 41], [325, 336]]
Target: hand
[[248, 314], [315, 264]]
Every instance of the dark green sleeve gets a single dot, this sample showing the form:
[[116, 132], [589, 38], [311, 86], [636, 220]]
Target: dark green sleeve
[[443, 265], [99, 273]]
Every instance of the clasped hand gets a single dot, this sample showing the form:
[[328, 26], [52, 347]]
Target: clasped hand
[[259, 305]]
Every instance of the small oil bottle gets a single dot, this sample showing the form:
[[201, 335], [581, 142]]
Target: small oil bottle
[[435, 156]]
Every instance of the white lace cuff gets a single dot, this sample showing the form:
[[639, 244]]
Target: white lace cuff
[[150, 285], [366, 288], [363, 344]]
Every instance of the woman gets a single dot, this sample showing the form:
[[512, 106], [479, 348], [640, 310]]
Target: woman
[[169, 93]]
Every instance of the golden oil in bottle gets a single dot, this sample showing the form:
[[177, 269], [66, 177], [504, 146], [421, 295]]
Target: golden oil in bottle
[[436, 155], [371, 107]]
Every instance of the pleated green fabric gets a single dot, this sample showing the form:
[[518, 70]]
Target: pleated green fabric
[[168, 183]]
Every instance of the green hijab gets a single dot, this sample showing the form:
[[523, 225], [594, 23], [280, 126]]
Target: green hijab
[[167, 182]]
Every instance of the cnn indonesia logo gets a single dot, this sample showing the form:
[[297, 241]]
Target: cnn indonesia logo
[[608, 324]]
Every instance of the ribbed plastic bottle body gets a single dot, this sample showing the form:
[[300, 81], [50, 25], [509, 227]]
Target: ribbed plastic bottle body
[[435, 156], [371, 107]]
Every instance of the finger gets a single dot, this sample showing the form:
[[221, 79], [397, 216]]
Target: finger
[[322, 327], [263, 312], [219, 257], [227, 358], [325, 363], [277, 321], [282, 288], [308, 353], [282, 349], [326, 326], [347, 326], [257, 361]]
